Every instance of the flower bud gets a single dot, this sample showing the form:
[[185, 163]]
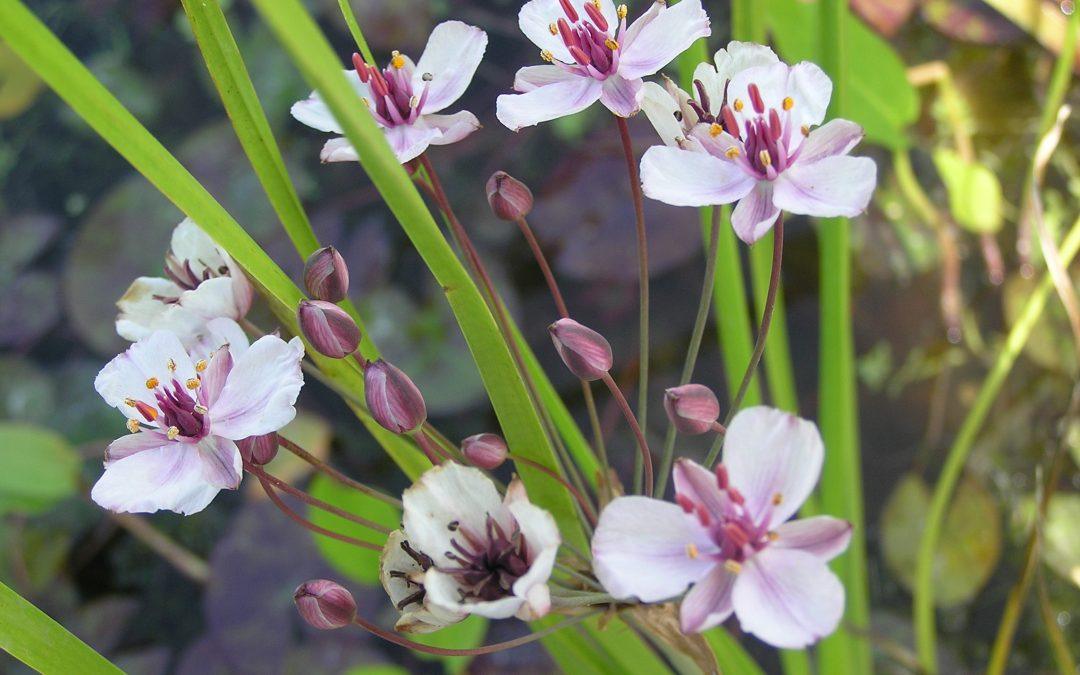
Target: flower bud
[[326, 275], [393, 399], [584, 351], [509, 198], [691, 408], [324, 604], [329, 328], [259, 450], [486, 451]]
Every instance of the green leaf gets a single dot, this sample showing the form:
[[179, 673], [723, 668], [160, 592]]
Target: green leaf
[[38, 468], [730, 654], [1060, 544], [32, 637], [355, 563], [465, 635], [975, 198]]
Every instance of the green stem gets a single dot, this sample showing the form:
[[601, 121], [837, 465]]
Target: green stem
[[357, 34]]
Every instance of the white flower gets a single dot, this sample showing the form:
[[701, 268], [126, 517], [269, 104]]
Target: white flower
[[202, 283], [401, 570], [595, 56], [404, 98], [491, 556], [185, 413]]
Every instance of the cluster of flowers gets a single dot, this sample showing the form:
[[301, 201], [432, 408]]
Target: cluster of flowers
[[204, 404]]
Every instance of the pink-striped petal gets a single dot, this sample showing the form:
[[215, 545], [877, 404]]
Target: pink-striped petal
[[451, 57], [260, 391], [664, 37], [835, 137], [620, 95], [708, 603], [453, 127], [833, 186], [549, 102], [221, 462], [755, 214], [823, 536], [686, 178], [166, 478]]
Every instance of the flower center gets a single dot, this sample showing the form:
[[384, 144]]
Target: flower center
[[395, 101], [413, 578], [487, 567], [178, 413], [588, 39], [183, 274], [732, 527], [766, 133]]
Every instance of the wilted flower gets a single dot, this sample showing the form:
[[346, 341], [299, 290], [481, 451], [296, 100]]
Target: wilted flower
[[324, 604], [691, 408], [750, 137], [404, 97], [728, 538], [202, 283], [326, 276], [186, 413], [584, 351], [509, 198], [490, 556], [394, 401], [595, 56], [329, 328], [401, 570], [487, 451]]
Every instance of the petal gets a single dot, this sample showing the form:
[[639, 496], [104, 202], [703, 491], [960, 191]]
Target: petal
[[442, 591], [534, 77], [738, 56], [621, 95], [416, 618], [771, 81], [222, 465], [260, 391], [541, 535], [169, 477], [755, 214], [213, 298], [663, 38], [142, 311], [216, 375], [708, 603], [452, 55], [517, 111], [661, 108], [453, 127], [835, 137], [823, 536], [126, 376], [686, 178], [788, 598], [338, 150], [769, 452], [811, 90], [190, 242], [409, 141], [700, 485], [713, 84], [218, 333], [314, 112], [449, 492], [132, 444], [537, 15], [834, 186], [635, 28], [649, 549]]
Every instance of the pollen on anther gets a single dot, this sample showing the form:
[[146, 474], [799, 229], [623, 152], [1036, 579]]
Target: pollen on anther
[[692, 551], [172, 366], [596, 3], [414, 101], [133, 425], [201, 409], [546, 55], [129, 402], [805, 130], [715, 130], [772, 536], [732, 152], [611, 44], [152, 383], [172, 433], [622, 11], [553, 29], [732, 566], [738, 105], [788, 103], [397, 60], [193, 383], [200, 365], [777, 499], [765, 158]]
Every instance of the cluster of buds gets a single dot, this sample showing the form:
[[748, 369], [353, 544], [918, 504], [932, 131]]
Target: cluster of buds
[[328, 328]]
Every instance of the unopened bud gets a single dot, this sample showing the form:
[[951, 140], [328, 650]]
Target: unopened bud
[[486, 451], [691, 408], [326, 275], [393, 399], [584, 351], [329, 328], [259, 450], [324, 604], [509, 198]]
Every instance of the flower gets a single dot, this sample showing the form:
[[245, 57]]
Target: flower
[[490, 556], [186, 413], [750, 137], [401, 570], [727, 537], [404, 97], [202, 283], [591, 60]]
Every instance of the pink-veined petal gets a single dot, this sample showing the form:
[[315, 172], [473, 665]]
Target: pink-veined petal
[[835, 137], [755, 214], [338, 150], [700, 485], [452, 55], [219, 364], [132, 444], [409, 141], [833, 186], [708, 603], [649, 549], [787, 598], [686, 178], [663, 38], [536, 16], [638, 24], [770, 453], [260, 391], [314, 112], [620, 95], [517, 111], [169, 478], [534, 77], [222, 465], [823, 536], [453, 127]]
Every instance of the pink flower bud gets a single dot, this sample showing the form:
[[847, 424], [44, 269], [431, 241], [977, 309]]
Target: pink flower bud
[[584, 351], [326, 275], [487, 451], [393, 399], [259, 450], [324, 604], [509, 198], [329, 328], [691, 408]]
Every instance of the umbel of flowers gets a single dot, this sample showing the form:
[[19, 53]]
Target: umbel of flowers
[[206, 394]]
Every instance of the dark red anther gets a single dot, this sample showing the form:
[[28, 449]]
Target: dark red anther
[[580, 56], [148, 412], [736, 496], [596, 16], [361, 67], [736, 534], [685, 502], [774, 124], [722, 479], [569, 38], [755, 99], [569, 10], [702, 515], [378, 83], [730, 124]]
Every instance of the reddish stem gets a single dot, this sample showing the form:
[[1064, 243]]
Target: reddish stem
[[304, 522], [643, 445], [335, 474], [586, 507], [312, 501]]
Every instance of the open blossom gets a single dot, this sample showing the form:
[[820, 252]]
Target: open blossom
[[750, 134], [186, 411], [728, 537], [482, 553], [405, 97], [595, 56], [201, 283]]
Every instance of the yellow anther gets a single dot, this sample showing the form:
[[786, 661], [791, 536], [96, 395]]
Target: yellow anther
[[622, 11], [171, 366], [152, 383], [397, 60], [805, 130], [611, 44], [788, 103], [738, 105], [133, 425], [193, 383], [129, 402], [777, 499], [692, 551], [773, 536], [172, 433], [201, 409], [365, 101], [732, 566], [732, 152], [553, 29], [765, 158], [547, 56], [715, 130], [200, 366], [596, 4]]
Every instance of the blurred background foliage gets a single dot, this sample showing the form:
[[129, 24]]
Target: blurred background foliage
[[950, 93]]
